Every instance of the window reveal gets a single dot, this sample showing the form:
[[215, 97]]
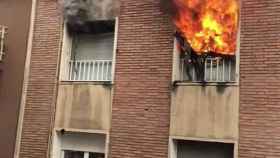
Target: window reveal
[[92, 53]]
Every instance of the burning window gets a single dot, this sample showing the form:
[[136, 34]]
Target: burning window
[[3, 31], [207, 39]]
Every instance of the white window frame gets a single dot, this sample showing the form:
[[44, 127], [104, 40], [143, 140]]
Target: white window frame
[[65, 64], [3, 32]]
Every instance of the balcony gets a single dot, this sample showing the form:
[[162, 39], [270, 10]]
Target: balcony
[[90, 70], [213, 70], [85, 106], [205, 98]]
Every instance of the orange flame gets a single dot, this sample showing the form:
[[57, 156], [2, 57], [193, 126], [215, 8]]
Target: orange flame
[[208, 25]]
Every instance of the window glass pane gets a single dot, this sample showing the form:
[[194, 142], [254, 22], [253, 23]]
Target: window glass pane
[[96, 155], [73, 154], [93, 46]]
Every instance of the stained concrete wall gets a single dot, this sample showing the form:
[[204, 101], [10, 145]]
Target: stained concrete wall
[[209, 112], [83, 106]]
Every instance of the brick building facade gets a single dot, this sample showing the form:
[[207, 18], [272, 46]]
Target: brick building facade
[[41, 91], [259, 50], [142, 111]]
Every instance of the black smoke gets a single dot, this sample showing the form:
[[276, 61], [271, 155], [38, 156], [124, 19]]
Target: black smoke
[[76, 14], [81, 14]]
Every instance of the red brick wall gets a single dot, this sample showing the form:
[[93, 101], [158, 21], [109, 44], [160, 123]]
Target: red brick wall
[[140, 118], [41, 91], [260, 79]]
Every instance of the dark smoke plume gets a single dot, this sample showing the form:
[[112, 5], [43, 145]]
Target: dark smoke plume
[[79, 14], [76, 13]]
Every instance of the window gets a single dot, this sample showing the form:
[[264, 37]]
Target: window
[[205, 69], [79, 145], [74, 154], [80, 154], [201, 149], [207, 38], [91, 52], [3, 32]]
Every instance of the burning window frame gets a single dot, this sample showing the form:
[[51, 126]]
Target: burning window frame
[[194, 64], [206, 68]]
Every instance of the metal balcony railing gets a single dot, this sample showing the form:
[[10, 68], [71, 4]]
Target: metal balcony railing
[[90, 70], [216, 69]]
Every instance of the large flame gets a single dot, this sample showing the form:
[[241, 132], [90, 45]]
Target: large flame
[[208, 25]]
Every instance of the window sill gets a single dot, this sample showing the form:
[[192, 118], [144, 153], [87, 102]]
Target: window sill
[[109, 83], [188, 83], [81, 130]]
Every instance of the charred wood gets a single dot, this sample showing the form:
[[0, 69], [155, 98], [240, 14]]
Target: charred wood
[[191, 57]]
